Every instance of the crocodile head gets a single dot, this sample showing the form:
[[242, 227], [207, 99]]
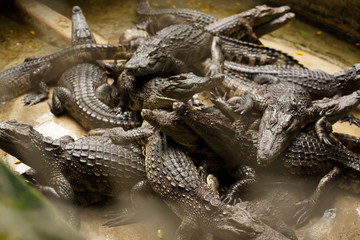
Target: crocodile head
[[148, 59], [277, 129], [19, 140], [182, 87], [170, 124], [237, 223], [351, 77]]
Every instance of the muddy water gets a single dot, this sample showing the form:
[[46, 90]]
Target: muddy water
[[312, 47]]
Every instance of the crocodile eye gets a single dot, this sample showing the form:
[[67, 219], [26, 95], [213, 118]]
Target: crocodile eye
[[152, 54], [288, 123]]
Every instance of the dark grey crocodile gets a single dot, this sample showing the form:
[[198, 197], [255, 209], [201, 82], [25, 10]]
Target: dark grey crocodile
[[81, 87], [34, 73], [170, 124], [305, 156], [254, 22], [168, 52], [173, 176], [76, 94], [317, 82], [276, 205], [286, 108], [162, 92], [85, 170]]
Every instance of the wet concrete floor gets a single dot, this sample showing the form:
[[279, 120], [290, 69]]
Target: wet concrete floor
[[110, 18]]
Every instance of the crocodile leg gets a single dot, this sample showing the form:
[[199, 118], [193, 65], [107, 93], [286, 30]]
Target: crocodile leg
[[139, 209], [351, 142], [47, 190], [171, 124], [59, 98], [217, 58], [351, 119], [323, 130], [119, 136], [307, 206], [335, 109], [36, 81], [61, 186], [233, 193], [185, 229]]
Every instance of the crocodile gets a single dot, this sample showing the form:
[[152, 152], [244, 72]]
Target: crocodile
[[286, 107], [162, 92], [173, 176], [276, 205], [90, 168], [305, 156], [169, 123], [168, 52], [254, 22], [76, 94], [317, 82], [82, 171], [35, 72], [83, 89], [80, 34]]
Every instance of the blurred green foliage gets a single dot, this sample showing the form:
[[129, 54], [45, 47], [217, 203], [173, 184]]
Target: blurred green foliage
[[26, 214]]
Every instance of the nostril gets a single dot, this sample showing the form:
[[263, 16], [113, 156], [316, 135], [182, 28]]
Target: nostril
[[177, 105], [76, 9], [130, 71]]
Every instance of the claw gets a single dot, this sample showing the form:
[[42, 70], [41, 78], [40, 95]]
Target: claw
[[305, 211], [32, 99], [118, 218], [351, 119], [230, 198]]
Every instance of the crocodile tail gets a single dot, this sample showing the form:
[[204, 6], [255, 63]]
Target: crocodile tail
[[253, 54]]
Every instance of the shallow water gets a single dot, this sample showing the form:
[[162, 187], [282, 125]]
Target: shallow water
[[110, 18]]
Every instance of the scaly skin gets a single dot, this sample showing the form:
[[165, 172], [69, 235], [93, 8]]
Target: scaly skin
[[34, 73], [170, 124], [351, 142], [76, 94], [161, 92], [78, 89], [260, 20], [305, 156], [318, 83], [172, 175], [80, 31], [286, 108], [85, 171], [167, 52], [276, 207], [254, 54]]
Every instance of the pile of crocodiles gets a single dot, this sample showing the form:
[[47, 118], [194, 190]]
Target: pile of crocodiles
[[225, 164]]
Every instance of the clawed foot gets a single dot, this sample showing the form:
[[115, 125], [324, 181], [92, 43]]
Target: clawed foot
[[230, 198], [304, 212], [122, 217], [117, 111], [325, 138], [351, 119], [32, 99]]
